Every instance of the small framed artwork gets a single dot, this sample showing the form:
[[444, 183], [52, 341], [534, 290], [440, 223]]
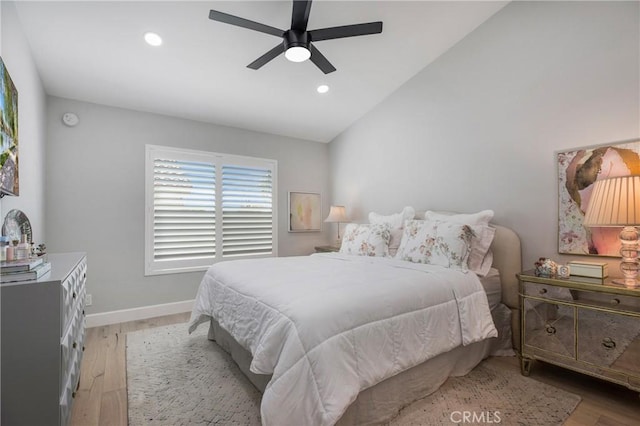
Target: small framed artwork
[[305, 210], [578, 170]]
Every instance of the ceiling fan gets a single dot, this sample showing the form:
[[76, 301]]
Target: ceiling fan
[[297, 41]]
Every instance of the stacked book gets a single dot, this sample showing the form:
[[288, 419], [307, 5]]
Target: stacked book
[[23, 270]]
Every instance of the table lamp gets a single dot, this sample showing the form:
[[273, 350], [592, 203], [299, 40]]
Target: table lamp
[[615, 202], [337, 214]]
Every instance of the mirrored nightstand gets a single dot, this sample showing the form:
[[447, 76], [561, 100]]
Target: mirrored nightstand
[[584, 324]]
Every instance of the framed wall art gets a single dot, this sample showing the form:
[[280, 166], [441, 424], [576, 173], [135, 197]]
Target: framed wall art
[[305, 210], [578, 169], [9, 182]]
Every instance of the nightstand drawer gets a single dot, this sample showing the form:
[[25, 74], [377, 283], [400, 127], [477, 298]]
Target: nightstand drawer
[[616, 302], [609, 340], [545, 291], [549, 327]]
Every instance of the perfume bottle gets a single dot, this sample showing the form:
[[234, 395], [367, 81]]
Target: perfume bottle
[[4, 243], [11, 250], [23, 249]]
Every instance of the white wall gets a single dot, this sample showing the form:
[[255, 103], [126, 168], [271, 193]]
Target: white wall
[[479, 127], [31, 123], [95, 193]]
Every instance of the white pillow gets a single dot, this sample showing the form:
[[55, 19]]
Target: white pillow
[[396, 223], [481, 218], [395, 220], [366, 240], [481, 257], [441, 243]]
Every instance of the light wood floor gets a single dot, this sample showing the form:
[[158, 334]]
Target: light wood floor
[[102, 396]]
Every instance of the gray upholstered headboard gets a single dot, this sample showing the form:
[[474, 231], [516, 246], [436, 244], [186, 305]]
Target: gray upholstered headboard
[[507, 258]]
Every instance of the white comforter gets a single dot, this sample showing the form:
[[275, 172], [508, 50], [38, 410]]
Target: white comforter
[[328, 326]]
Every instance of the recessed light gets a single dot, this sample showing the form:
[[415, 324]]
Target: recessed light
[[323, 88], [152, 39]]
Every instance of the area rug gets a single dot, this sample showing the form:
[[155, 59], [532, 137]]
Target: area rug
[[178, 379]]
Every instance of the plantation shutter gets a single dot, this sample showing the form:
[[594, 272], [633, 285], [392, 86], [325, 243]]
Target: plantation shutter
[[247, 211], [184, 210], [203, 207]]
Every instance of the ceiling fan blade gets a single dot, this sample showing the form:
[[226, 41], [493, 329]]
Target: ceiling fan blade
[[262, 60], [300, 15], [346, 31], [320, 61], [244, 23]]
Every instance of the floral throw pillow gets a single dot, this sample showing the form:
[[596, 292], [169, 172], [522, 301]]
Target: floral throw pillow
[[396, 223], [436, 243], [366, 240], [481, 257]]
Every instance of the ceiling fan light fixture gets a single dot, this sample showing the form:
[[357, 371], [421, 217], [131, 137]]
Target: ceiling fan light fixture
[[297, 54], [297, 41], [152, 39]]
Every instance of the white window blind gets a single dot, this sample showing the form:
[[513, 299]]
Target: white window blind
[[247, 210], [202, 207]]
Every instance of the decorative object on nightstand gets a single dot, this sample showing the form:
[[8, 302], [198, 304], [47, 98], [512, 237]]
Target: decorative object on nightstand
[[337, 214], [589, 269], [615, 202], [564, 271], [584, 324], [546, 267]]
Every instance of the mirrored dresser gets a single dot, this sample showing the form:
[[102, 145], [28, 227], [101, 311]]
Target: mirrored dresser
[[588, 325]]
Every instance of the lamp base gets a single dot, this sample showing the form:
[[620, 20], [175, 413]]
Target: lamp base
[[629, 252]]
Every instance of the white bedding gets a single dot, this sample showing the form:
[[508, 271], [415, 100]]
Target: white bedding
[[328, 326]]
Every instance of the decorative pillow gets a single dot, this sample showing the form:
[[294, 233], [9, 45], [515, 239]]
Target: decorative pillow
[[436, 243], [366, 240], [481, 257], [396, 223]]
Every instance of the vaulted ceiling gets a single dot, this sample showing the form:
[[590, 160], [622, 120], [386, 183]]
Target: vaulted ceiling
[[94, 51]]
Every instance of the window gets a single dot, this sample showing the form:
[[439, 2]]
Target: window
[[202, 207]]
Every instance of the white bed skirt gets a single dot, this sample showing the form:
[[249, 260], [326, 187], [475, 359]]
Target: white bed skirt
[[382, 402]]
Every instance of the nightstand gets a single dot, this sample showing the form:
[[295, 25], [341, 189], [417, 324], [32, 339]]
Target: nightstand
[[584, 324], [327, 249]]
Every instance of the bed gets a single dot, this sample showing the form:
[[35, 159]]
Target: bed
[[326, 343]]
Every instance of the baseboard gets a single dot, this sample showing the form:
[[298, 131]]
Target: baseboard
[[144, 312]]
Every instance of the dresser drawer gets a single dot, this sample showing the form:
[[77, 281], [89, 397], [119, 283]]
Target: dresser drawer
[[65, 405], [73, 292], [71, 345]]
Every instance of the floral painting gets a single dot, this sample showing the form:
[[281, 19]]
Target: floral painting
[[305, 212], [577, 172]]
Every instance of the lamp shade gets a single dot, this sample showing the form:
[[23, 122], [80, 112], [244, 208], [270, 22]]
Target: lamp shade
[[614, 202], [337, 214]]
